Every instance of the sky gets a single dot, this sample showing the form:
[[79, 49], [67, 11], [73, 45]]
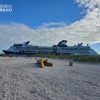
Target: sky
[[46, 22], [36, 12]]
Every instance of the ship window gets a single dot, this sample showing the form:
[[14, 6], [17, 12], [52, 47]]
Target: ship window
[[17, 45]]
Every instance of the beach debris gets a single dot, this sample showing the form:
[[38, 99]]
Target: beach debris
[[44, 62], [70, 63]]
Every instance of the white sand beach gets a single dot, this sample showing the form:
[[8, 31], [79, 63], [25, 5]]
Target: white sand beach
[[22, 79]]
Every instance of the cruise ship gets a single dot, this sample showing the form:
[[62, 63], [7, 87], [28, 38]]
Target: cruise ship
[[60, 48]]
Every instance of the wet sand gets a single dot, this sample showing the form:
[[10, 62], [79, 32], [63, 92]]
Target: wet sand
[[22, 79]]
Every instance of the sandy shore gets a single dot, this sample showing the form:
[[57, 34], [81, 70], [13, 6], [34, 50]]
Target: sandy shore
[[22, 79]]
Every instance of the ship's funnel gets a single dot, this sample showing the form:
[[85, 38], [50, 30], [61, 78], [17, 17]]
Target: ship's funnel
[[62, 43], [27, 42]]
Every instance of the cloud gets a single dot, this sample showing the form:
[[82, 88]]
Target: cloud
[[91, 22], [85, 30]]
